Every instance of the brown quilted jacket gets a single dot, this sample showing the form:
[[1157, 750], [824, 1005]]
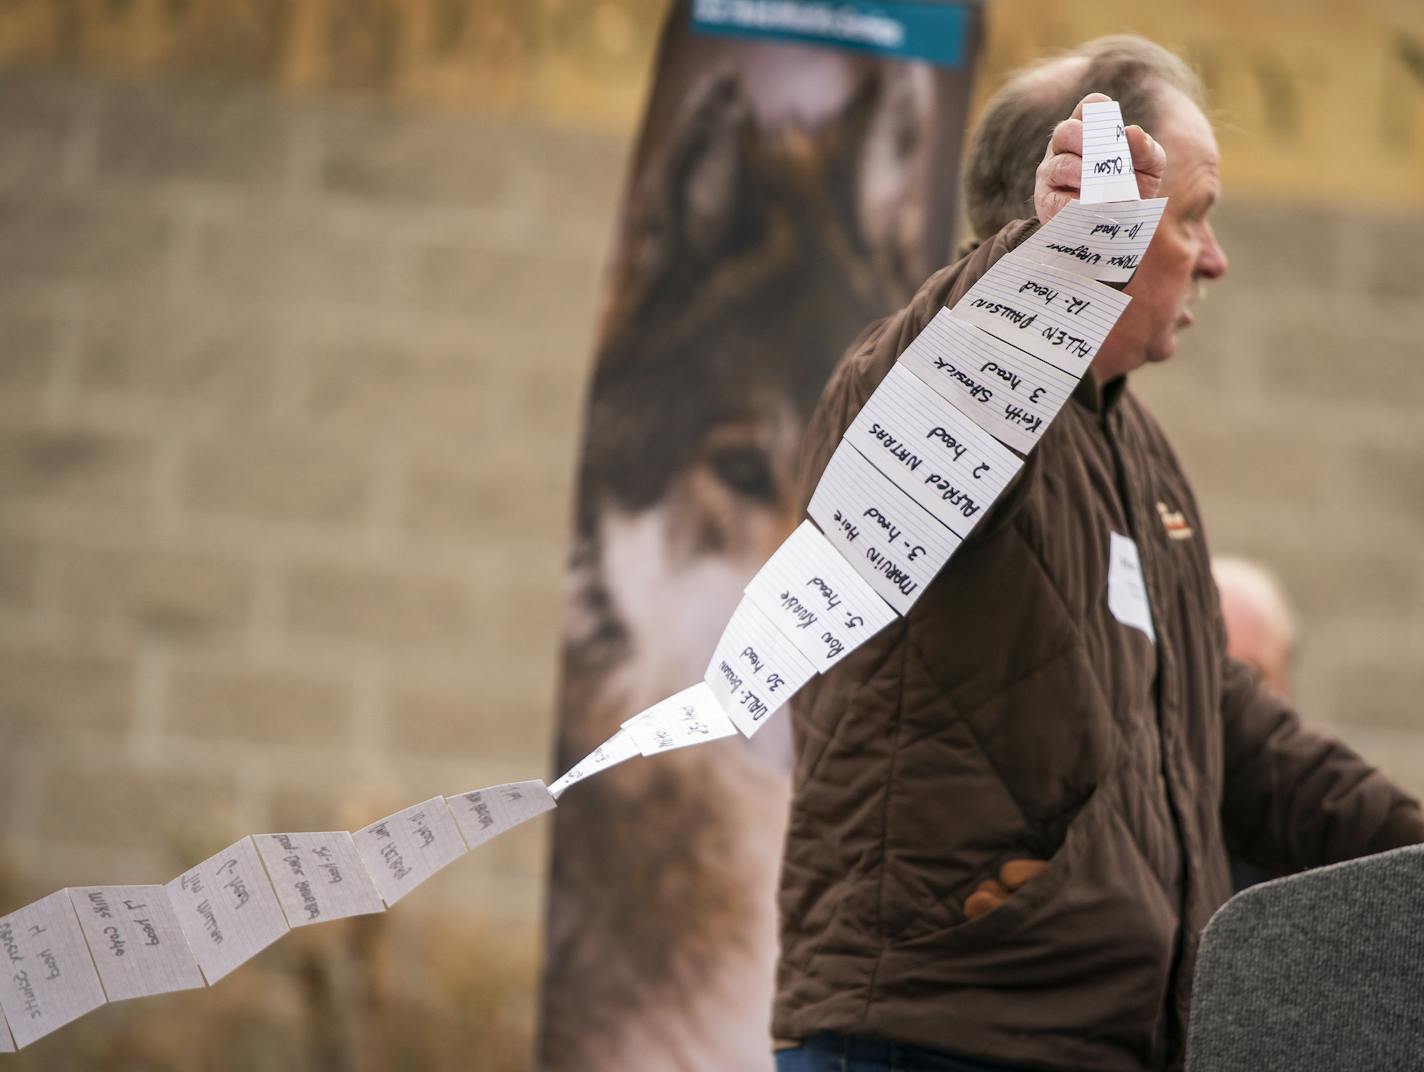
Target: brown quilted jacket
[[1012, 715]]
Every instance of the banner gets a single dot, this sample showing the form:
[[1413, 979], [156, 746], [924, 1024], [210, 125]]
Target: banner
[[789, 186]]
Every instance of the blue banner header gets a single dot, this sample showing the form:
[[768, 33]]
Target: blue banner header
[[916, 31]]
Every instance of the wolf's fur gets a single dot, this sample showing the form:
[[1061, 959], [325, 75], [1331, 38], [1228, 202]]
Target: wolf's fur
[[753, 257]]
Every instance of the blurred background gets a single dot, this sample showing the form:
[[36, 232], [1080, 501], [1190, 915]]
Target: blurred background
[[297, 301]]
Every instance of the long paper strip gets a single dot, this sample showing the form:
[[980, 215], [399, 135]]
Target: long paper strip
[[1107, 160], [894, 543], [755, 668], [1102, 241], [1053, 314], [692, 716], [1004, 391], [135, 940], [483, 814], [49, 978], [610, 753], [318, 876], [227, 909], [940, 457], [817, 599], [403, 850]]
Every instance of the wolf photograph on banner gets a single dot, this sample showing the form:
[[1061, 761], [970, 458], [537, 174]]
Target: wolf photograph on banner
[[788, 187]]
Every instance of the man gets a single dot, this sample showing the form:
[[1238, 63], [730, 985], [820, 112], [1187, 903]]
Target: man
[[1260, 625], [1007, 829]]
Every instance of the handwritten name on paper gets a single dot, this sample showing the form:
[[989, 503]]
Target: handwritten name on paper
[[48, 979], [1003, 390], [227, 909], [1103, 242], [692, 716], [936, 454], [135, 940], [484, 814], [817, 599], [318, 876], [892, 542], [405, 849], [755, 668], [1107, 160], [610, 753], [1053, 314]]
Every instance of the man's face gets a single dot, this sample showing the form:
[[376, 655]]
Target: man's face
[[1184, 251]]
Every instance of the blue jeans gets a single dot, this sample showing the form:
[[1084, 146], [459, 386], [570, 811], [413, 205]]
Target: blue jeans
[[840, 1053]]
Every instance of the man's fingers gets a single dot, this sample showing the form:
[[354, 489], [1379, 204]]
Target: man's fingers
[[1067, 137], [1016, 873], [1147, 155], [987, 896]]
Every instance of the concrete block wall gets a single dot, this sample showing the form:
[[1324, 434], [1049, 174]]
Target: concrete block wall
[[289, 402]]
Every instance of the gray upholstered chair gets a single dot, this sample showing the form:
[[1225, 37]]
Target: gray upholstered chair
[[1320, 971]]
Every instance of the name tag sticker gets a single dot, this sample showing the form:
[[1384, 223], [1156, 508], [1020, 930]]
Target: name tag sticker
[[1127, 592]]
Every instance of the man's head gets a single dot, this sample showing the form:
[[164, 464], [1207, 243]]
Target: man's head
[[1162, 94], [1260, 626]]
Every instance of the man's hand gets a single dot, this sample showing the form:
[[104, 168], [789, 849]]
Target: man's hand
[[1060, 174], [989, 894]]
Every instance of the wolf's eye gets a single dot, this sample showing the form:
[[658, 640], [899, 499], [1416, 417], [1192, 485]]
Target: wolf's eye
[[746, 470]]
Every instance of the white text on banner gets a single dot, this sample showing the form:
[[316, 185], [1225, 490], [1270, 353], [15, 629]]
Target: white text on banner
[[50, 980], [1003, 390], [1107, 160], [931, 450], [1104, 241], [692, 716], [403, 850], [318, 876], [136, 941], [892, 542], [755, 668], [483, 814], [227, 909], [1053, 314], [610, 753], [816, 598]]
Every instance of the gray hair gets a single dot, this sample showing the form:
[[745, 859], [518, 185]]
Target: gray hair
[[1008, 144]]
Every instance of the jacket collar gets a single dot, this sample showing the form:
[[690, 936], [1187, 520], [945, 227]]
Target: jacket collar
[[1097, 399]]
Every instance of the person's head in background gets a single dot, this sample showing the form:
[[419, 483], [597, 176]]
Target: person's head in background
[[1260, 624], [1158, 92]]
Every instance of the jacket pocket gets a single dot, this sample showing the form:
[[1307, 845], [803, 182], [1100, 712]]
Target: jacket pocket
[[1033, 899]]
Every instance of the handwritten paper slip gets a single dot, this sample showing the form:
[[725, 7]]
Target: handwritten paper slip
[[484, 814], [1127, 592], [1009, 394], [403, 850], [610, 753], [227, 909], [932, 451], [755, 668], [1107, 160], [135, 940], [48, 979], [1104, 242], [892, 542], [817, 599], [318, 877], [1053, 314], [692, 716]]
